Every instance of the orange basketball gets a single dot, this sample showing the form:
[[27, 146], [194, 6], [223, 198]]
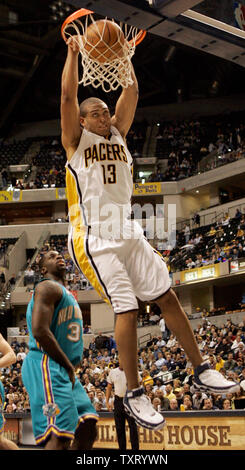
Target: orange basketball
[[103, 40]]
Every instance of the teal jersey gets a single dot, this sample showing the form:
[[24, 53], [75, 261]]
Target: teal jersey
[[66, 326]]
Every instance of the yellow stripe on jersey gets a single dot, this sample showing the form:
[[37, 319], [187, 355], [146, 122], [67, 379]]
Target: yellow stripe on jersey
[[79, 232], [157, 252], [75, 212], [78, 242]]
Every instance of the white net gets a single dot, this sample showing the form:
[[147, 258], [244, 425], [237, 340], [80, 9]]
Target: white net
[[110, 67]]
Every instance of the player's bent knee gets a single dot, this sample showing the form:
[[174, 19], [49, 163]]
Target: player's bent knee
[[132, 313], [166, 299]]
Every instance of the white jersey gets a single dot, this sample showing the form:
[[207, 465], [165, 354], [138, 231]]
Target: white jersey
[[100, 172]]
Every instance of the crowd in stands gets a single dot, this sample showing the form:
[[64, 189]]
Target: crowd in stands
[[219, 242], [50, 163], [185, 143], [165, 371], [136, 138]]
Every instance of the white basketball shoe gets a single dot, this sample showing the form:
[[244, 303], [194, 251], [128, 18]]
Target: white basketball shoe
[[139, 407]]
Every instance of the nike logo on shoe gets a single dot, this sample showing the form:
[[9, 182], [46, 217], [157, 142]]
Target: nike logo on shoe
[[138, 411]]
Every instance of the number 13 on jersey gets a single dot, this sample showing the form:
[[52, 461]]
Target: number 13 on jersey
[[109, 174]]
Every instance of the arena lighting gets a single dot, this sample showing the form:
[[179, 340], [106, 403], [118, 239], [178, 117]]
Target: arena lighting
[[170, 53], [59, 10]]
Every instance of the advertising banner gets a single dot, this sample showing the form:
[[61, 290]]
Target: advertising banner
[[141, 189]]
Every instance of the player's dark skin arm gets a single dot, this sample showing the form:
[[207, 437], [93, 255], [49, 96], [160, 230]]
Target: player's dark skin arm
[[47, 297]]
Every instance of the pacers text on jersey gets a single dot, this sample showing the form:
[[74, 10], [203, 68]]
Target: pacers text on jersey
[[102, 152]]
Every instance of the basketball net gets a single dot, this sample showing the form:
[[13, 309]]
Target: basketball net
[[112, 73]]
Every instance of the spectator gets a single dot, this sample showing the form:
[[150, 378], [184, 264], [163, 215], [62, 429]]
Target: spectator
[[163, 328], [171, 342], [160, 360], [169, 392], [160, 343], [187, 403], [100, 398], [226, 219], [159, 386], [208, 404], [237, 344], [164, 400], [179, 395], [173, 406], [146, 378], [198, 400], [21, 354], [196, 219], [219, 362], [186, 232], [166, 376], [226, 404], [230, 363], [238, 214], [157, 403], [112, 344]]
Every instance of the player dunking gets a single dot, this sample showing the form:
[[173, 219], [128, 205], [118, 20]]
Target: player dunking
[[121, 268], [61, 410], [8, 358]]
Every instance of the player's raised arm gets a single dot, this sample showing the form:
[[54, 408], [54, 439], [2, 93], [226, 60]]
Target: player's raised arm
[[70, 113], [126, 106], [8, 355]]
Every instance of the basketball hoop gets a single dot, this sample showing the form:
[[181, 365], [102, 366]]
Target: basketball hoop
[[111, 69]]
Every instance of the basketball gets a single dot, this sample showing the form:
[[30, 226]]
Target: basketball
[[103, 40]]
